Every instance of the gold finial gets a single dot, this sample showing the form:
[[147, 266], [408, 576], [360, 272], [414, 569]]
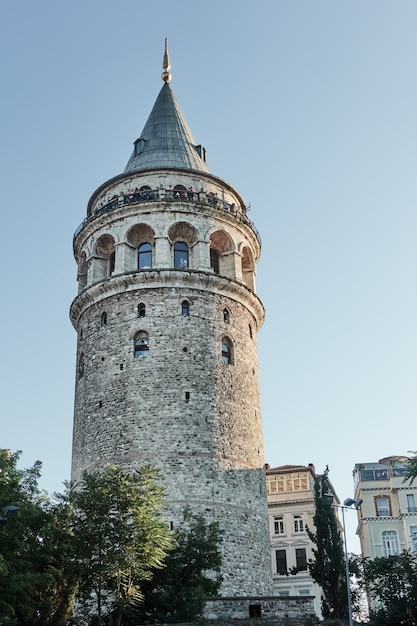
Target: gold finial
[[166, 76]]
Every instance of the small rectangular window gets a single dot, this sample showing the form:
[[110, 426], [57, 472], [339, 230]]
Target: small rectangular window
[[254, 610], [298, 524], [382, 506], [411, 505], [279, 525]]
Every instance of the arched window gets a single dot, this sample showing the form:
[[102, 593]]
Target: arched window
[[390, 543], [180, 192], [141, 310], [180, 255], [105, 257], [144, 256], [226, 316], [227, 351], [214, 261], [141, 345], [185, 308], [103, 319]]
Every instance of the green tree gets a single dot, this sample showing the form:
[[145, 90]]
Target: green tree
[[328, 566], [36, 583], [391, 583], [120, 539], [176, 593]]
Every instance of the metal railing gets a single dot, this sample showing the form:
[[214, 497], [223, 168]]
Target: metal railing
[[202, 199]]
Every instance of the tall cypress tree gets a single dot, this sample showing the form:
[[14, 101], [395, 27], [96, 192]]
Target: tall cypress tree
[[328, 567]]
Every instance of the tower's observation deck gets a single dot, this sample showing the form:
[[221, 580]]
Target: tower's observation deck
[[167, 318]]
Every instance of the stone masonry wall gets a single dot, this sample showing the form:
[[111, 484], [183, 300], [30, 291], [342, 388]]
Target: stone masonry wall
[[181, 408]]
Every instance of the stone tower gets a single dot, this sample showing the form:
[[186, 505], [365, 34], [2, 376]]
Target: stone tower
[[167, 320]]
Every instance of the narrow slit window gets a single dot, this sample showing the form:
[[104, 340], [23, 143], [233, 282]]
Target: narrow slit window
[[185, 308], [103, 320], [226, 351], [112, 262], [214, 261], [141, 310]]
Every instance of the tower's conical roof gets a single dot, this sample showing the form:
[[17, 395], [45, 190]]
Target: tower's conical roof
[[166, 140]]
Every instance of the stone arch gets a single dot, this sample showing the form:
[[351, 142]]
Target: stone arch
[[104, 257], [183, 237], [248, 268], [140, 238], [183, 231], [222, 248], [140, 233]]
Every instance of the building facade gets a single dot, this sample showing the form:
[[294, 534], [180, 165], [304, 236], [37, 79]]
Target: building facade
[[387, 517], [167, 318], [291, 509]]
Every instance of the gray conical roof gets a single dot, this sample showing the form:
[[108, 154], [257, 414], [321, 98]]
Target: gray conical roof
[[166, 140]]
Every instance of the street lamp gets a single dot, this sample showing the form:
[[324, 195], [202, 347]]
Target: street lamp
[[6, 510], [347, 504]]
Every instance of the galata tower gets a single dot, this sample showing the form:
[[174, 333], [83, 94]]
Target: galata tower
[[167, 318]]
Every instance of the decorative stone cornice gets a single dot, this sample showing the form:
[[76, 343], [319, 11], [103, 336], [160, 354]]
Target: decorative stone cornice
[[166, 279]]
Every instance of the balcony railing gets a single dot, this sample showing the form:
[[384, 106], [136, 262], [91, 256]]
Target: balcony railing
[[202, 199]]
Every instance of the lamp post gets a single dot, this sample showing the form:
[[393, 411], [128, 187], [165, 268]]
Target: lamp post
[[347, 504]]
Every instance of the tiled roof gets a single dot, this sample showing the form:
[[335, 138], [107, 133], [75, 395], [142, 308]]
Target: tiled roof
[[166, 140]]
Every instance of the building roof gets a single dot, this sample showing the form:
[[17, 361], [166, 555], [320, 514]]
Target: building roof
[[289, 468], [166, 140]]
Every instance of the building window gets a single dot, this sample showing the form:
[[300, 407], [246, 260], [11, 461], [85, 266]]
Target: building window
[[411, 505], [281, 483], [180, 255], [301, 559], [141, 345], [382, 506], [227, 351], [281, 561], [185, 308], [214, 261], [141, 310], [298, 524], [413, 539], [279, 525], [250, 332], [390, 543], [103, 319], [226, 316], [255, 611], [145, 256], [112, 262]]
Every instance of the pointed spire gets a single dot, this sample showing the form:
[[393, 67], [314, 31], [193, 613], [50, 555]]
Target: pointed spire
[[166, 140], [166, 76]]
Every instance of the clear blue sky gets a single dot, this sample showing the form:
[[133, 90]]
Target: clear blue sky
[[309, 110]]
